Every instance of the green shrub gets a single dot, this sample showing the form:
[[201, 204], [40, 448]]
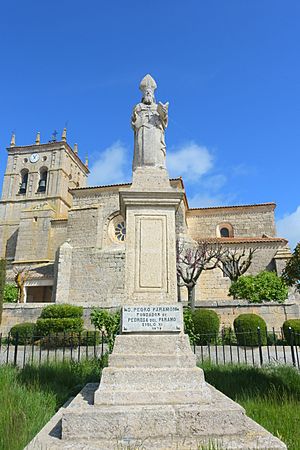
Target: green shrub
[[189, 327], [206, 325], [48, 326], [25, 332], [61, 311], [107, 321], [266, 286], [294, 324], [245, 327], [69, 339], [2, 284], [10, 293]]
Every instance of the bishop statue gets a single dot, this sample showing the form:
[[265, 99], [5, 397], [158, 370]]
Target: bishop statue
[[149, 121]]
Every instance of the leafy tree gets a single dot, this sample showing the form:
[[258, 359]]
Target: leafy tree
[[235, 262], [291, 273], [192, 260], [2, 284], [266, 286], [10, 293]]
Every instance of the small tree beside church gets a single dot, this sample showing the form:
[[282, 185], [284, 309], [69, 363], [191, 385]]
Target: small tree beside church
[[235, 262], [2, 284], [291, 273], [192, 260]]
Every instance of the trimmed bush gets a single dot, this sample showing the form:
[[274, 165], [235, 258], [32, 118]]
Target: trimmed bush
[[295, 326], [206, 325], [25, 332], [61, 312], [266, 286], [67, 339], [48, 326], [245, 327]]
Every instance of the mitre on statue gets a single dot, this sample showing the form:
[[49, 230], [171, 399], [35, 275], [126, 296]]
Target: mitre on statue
[[148, 83]]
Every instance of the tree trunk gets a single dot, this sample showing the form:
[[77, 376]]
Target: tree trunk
[[191, 297]]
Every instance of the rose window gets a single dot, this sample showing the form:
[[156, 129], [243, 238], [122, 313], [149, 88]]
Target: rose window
[[120, 231]]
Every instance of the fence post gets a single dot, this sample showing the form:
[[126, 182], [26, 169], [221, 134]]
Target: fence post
[[292, 346], [259, 346], [16, 348]]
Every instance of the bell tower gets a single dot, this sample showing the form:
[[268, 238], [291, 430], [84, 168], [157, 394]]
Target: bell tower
[[37, 177]]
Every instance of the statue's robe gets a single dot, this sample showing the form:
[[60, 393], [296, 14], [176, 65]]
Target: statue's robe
[[149, 140]]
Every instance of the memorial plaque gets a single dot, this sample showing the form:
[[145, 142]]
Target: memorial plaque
[[151, 318]]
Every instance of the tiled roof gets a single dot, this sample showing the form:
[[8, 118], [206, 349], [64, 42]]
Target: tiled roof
[[241, 240], [113, 185], [234, 206]]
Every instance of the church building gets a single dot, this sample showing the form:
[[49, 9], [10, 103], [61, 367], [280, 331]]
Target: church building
[[71, 238]]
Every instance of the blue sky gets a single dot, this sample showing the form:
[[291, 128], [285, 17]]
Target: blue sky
[[230, 70]]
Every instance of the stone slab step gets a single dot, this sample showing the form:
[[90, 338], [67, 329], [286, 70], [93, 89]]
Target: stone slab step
[[149, 344], [151, 379], [106, 397], [151, 360]]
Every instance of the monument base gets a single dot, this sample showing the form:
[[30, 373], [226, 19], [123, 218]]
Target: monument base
[[152, 396]]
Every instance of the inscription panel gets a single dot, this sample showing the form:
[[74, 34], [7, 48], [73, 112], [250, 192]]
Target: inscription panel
[[151, 318], [150, 251]]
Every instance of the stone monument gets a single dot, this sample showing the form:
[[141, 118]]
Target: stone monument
[[152, 395]]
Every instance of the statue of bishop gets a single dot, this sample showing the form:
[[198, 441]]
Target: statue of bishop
[[149, 121]]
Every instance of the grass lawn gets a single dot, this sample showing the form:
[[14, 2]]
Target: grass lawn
[[30, 396], [270, 396]]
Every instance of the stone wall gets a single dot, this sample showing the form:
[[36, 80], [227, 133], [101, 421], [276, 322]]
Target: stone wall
[[273, 313], [247, 221]]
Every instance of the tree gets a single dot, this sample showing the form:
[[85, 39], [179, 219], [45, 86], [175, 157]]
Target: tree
[[291, 273], [192, 260], [2, 284], [235, 263], [21, 276]]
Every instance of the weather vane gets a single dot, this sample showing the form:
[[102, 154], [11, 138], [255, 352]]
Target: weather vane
[[53, 137]]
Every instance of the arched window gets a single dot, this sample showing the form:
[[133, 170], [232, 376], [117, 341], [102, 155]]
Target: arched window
[[24, 181], [43, 180], [224, 230]]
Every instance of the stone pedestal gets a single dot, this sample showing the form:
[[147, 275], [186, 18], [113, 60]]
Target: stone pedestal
[[150, 264]]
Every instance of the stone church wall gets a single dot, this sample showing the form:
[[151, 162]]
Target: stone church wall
[[246, 221]]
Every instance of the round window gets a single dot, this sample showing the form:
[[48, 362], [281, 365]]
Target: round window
[[117, 229], [120, 231]]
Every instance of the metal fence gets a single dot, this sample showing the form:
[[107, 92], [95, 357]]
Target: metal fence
[[226, 347], [251, 348]]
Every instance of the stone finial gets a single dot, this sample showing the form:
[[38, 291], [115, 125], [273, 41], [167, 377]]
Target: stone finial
[[64, 135], [148, 83], [86, 161], [75, 148], [38, 138], [13, 140]]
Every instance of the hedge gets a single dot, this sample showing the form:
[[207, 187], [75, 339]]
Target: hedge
[[26, 332], [61, 311], [69, 339], [206, 325], [245, 327], [294, 324], [48, 326]]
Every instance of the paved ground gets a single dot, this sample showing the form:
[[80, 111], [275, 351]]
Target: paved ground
[[217, 354]]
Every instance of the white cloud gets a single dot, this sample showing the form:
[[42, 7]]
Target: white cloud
[[215, 182], [111, 166], [204, 200], [191, 161], [289, 227]]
